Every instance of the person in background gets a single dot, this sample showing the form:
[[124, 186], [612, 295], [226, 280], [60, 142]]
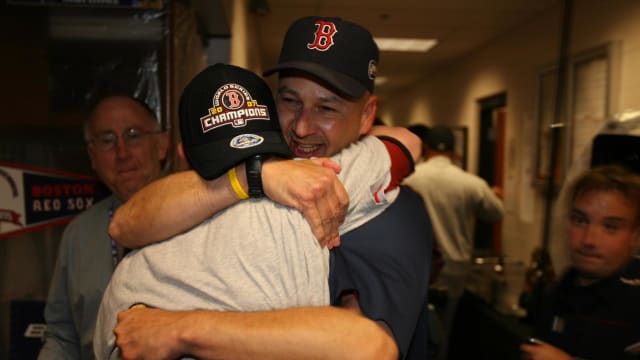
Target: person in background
[[593, 311], [126, 147], [378, 121], [255, 255], [420, 130], [379, 273], [454, 199]]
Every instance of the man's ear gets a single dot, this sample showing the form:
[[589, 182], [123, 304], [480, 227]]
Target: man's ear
[[181, 154], [368, 114]]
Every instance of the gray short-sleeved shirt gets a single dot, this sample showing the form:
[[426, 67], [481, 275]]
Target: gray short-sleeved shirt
[[255, 255]]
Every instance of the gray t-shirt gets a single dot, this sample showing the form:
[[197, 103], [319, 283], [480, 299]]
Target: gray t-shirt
[[256, 255]]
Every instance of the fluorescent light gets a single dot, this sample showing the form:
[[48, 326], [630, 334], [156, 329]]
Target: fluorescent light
[[405, 44], [105, 28]]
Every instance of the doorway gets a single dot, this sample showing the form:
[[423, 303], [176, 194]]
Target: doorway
[[493, 117]]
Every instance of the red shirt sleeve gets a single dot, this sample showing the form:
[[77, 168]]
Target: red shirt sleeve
[[402, 164]]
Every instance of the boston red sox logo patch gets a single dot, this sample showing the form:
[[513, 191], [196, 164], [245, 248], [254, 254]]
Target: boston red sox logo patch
[[323, 37], [233, 105]]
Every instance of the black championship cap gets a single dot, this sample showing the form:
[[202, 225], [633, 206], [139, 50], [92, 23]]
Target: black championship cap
[[440, 138], [339, 52], [228, 114]]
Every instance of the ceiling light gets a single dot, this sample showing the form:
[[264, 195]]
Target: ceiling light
[[405, 44], [71, 27]]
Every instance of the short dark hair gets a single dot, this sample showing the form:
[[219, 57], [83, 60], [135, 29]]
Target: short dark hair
[[420, 130], [608, 178], [440, 138]]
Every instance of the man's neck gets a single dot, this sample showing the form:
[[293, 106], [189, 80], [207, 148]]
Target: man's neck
[[583, 279], [434, 153]]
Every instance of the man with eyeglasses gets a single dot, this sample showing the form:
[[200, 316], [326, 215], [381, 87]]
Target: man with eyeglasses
[[126, 147]]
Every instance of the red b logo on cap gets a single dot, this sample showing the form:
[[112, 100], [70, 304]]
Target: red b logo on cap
[[232, 99], [323, 36]]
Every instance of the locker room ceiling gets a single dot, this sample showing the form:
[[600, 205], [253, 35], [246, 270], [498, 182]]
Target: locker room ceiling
[[460, 26]]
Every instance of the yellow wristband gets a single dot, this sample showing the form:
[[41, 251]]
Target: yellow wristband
[[235, 184]]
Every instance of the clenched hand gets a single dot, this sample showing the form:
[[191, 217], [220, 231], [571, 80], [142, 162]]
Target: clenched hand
[[313, 188]]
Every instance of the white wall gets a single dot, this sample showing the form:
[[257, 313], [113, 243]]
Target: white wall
[[510, 64], [244, 52]]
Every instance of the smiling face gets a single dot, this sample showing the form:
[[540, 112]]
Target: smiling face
[[126, 166], [603, 233], [318, 122]]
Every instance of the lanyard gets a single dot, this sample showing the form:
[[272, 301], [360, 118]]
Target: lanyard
[[114, 246]]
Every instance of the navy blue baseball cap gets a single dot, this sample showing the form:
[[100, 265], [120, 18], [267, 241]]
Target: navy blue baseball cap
[[337, 51], [227, 114], [440, 138]]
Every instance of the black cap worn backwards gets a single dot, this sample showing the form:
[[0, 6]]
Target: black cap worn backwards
[[339, 52], [228, 114]]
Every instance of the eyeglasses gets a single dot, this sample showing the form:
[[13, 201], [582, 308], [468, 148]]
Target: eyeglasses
[[132, 137]]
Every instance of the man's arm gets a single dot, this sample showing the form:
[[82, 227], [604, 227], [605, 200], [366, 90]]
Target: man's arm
[[175, 203], [299, 333], [544, 351], [491, 208], [410, 140]]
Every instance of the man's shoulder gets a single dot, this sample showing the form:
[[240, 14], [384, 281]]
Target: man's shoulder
[[88, 218], [406, 212], [446, 173], [409, 201], [358, 148], [364, 163], [83, 232], [410, 198], [438, 165], [627, 282], [631, 276]]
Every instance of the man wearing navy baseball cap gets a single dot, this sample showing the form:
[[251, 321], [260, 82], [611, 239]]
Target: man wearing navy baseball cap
[[255, 255], [380, 271]]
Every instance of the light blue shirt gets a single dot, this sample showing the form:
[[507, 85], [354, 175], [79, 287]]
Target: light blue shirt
[[83, 269]]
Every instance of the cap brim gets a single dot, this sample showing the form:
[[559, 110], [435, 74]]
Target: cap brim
[[345, 85], [210, 160]]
